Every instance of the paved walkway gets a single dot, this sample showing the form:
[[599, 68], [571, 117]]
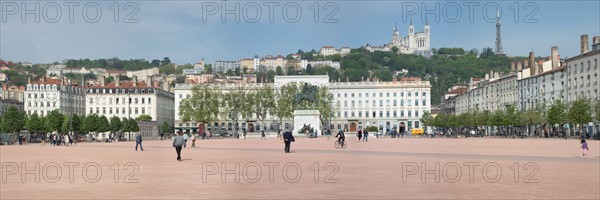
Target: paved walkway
[[384, 168]]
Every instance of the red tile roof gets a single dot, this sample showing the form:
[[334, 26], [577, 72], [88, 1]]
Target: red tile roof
[[458, 91], [124, 84]]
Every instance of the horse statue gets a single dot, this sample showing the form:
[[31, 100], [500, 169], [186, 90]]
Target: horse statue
[[309, 93]]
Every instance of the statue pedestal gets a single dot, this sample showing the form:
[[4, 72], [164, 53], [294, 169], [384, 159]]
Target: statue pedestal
[[308, 117]]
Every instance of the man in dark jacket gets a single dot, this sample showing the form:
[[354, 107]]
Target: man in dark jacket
[[288, 138], [178, 143], [138, 141]]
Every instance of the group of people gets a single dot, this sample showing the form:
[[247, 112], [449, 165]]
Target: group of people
[[364, 136]]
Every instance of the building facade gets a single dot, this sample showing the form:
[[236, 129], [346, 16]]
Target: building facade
[[224, 66], [46, 95], [130, 99], [418, 43], [356, 105]]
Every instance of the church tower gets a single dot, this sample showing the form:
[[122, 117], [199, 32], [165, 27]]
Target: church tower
[[395, 35]]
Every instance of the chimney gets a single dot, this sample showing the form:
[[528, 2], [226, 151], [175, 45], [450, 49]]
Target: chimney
[[532, 63], [519, 66], [540, 66], [596, 40], [394, 79], [117, 80], [512, 66], [149, 81], [102, 81], [584, 43], [62, 80], [134, 80], [28, 79], [554, 56], [487, 76]]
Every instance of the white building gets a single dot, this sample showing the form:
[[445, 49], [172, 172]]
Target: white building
[[144, 73], [224, 66], [417, 43], [44, 96], [396, 104], [330, 50], [317, 63], [130, 99], [582, 72]]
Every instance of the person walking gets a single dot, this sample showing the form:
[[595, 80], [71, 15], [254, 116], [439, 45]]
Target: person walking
[[359, 134], [584, 148], [328, 133], [262, 135], [20, 138], [178, 142], [366, 135], [185, 139], [244, 132], [193, 141], [288, 138], [70, 140], [138, 141]]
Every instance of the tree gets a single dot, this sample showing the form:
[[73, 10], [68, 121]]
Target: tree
[[115, 124], [90, 124], [486, 52], [556, 113], [144, 117], [270, 76], [155, 63], [234, 104], [279, 71], [54, 121], [202, 106], [35, 124], [511, 118], [284, 100], [395, 49], [165, 61], [165, 128], [264, 102], [498, 120], [579, 113], [531, 117], [426, 119], [103, 125], [309, 69], [133, 125]]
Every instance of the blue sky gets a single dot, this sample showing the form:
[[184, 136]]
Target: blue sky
[[187, 30]]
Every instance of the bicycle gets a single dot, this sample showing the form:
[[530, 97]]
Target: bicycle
[[342, 145]]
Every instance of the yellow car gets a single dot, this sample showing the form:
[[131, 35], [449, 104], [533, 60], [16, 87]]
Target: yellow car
[[417, 131]]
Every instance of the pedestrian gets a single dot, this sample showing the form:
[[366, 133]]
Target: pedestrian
[[359, 134], [288, 138], [43, 139], [193, 141], [584, 148], [53, 137], [70, 139], [66, 140], [178, 141], [328, 133], [20, 138], [185, 139], [138, 141], [244, 132], [279, 136], [366, 135], [262, 135]]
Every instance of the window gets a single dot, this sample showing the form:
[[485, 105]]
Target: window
[[149, 100], [346, 114], [387, 113], [352, 114], [381, 94], [395, 102], [381, 103], [387, 103], [387, 94], [416, 102], [395, 113], [374, 103], [409, 113], [381, 114], [345, 94], [143, 101], [394, 94], [402, 113], [359, 113], [416, 94], [416, 113], [143, 110], [97, 110]]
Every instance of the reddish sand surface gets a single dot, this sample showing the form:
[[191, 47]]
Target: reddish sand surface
[[383, 168]]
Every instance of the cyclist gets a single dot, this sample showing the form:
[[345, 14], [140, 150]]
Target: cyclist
[[341, 137]]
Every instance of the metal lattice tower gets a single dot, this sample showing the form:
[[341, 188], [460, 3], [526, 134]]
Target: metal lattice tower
[[499, 50]]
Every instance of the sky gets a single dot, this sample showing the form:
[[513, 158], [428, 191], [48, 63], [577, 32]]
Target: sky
[[188, 30]]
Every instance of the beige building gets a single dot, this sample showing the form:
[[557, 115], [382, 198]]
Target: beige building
[[46, 95]]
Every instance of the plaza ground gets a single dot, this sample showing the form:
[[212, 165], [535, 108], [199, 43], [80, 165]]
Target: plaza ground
[[384, 168]]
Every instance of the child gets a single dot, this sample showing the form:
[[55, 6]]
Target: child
[[584, 147]]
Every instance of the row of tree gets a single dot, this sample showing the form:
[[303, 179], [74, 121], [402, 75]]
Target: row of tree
[[13, 121], [209, 103], [577, 114]]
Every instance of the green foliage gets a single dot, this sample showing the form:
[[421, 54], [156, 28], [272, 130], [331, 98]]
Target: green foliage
[[13, 120], [372, 129], [580, 111], [426, 119], [115, 124], [557, 113], [133, 125], [202, 106], [451, 51], [165, 128], [54, 121], [35, 124], [144, 117]]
